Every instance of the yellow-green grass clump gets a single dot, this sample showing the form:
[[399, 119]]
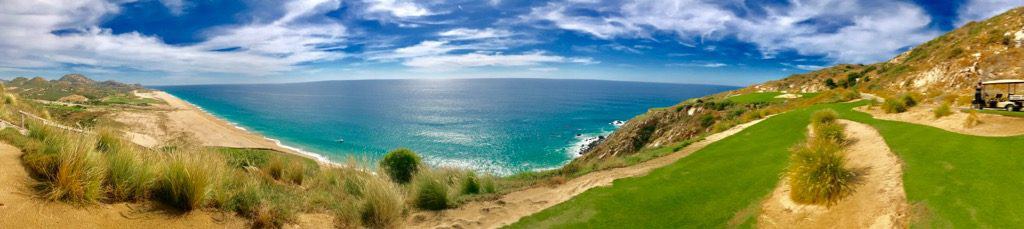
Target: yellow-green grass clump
[[942, 110], [400, 165], [817, 173]]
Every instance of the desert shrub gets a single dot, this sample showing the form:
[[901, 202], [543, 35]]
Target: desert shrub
[[908, 100], [400, 165], [829, 132], [817, 175], [972, 119], [893, 106], [276, 168], [10, 99], [187, 179], [824, 116], [108, 140], [942, 111], [382, 204], [848, 95], [129, 177], [471, 184], [723, 125], [430, 193], [707, 120], [74, 174]]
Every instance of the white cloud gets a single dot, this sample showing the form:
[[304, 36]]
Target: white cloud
[[475, 34], [975, 10], [256, 49], [176, 7], [867, 31], [481, 59], [703, 64], [397, 8], [809, 67]]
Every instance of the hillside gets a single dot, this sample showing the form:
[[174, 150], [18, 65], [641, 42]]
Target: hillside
[[952, 63], [949, 65], [76, 85]]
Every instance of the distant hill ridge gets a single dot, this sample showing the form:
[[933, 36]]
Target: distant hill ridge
[[979, 51], [68, 85]]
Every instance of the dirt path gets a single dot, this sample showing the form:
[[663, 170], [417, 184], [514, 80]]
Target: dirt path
[[991, 125], [879, 202], [19, 208], [513, 206]]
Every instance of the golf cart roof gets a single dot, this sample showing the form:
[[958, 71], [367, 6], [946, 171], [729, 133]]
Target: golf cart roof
[[1002, 81]]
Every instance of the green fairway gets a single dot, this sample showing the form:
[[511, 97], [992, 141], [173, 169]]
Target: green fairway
[[956, 180], [719, 184], [953, 180], [763, 97]]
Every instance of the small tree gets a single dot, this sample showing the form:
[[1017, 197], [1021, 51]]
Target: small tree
[[400, 164]]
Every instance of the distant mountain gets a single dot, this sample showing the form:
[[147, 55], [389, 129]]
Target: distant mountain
[[69, 85]]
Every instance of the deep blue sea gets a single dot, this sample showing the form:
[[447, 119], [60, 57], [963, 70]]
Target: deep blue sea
[[493, 125]]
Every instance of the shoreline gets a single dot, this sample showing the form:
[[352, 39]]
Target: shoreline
[[230, 133]]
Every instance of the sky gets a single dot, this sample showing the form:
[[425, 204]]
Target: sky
[[727, 42]]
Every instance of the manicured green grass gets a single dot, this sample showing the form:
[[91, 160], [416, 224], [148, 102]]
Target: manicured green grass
[[717, 186], [756, 97], [1004, 113], [763, 97], [952, 180], [956, 180]]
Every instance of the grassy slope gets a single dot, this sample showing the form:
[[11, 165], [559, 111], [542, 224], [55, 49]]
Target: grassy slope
[[706, 189], [954, 180]]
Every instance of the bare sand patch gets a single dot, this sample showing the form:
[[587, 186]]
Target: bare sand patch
[[510, 207], [20, 208], [991, 125], [788, 96], [878, 202]]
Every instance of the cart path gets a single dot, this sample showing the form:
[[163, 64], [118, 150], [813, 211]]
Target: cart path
[[878, 202], [510, 207]]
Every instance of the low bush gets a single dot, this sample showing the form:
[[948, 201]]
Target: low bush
[[470, 184], [824, 116], [400, 165], [942, 111], [817, 175], [893, 106], [187, 179], [430, 193], [382, 205], [908, 100], [830, 132], [129, 177], [76, 173], [972, 119]]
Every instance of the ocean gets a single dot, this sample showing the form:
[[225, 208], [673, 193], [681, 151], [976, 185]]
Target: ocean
[[499, 126]]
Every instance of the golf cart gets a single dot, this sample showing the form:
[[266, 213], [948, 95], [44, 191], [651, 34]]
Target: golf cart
[[1002, 94]]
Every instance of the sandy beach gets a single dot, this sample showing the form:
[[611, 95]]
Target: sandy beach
[[151, 127]]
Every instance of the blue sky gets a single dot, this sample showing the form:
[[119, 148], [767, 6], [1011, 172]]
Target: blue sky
[[732, 42]]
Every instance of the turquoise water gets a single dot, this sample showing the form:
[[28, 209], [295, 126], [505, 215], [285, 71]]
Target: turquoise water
[[492, 125]]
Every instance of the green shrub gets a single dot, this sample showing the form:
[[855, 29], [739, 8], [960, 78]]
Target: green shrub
[[830, 132], [470, 184], [400, 165], [824, 116], [707, 120], [430, 193], [817, 175], [187, 179]]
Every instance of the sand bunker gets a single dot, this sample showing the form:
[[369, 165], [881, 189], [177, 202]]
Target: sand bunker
[[511, 207], [878, 202], [992, 125]]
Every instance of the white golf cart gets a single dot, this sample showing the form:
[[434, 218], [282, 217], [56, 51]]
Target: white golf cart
[[1003, 94]]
